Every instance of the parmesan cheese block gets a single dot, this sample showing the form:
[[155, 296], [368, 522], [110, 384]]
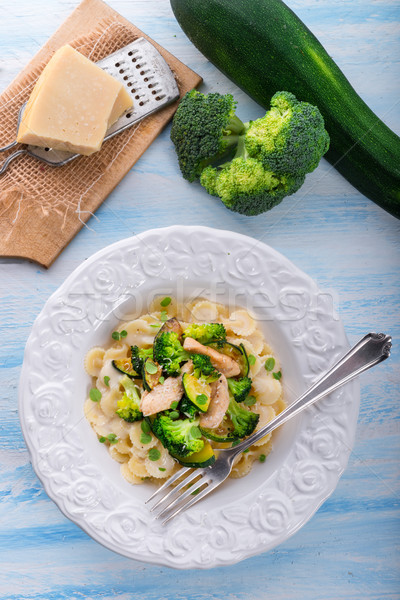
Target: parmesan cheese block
[[72, 105]]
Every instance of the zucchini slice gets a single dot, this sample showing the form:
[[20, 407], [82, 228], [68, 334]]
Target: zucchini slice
[[124, 365], [197, 391], [172, 325], [212, 434], [237, 353], [204, 458], [150, 380], [150, 419]]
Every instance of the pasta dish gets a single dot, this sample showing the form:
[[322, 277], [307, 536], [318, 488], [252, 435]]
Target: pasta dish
[[179, 382]]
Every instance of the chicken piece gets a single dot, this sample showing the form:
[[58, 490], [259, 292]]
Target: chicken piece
[[218, 404], [187, 368], [161, 397], [224, 364]]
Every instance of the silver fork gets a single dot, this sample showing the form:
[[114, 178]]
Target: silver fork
[[369, 351]]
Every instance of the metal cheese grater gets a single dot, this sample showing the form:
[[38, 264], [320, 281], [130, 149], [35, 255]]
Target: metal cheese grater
[[143, 71]]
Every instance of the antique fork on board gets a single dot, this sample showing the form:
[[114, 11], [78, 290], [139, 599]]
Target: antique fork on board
[[369, 351]]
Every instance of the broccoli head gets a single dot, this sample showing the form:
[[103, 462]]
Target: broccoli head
[[271, 155], [207, 332], [129, 405], [202, 367], [240, 388], [169, 353], [138, 356], [187, 408], [244, 421], [290, 138], [181, 437], [244, 186], [204, 129]]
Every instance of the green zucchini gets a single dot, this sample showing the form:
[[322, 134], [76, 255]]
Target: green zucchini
[[213, 435], [170, 326], [204, 458], [264, 48], [197, 391], [151, 374], [237, 353], [124, 365]]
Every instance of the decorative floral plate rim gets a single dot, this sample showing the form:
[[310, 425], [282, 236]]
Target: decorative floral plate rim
[[255, 513]]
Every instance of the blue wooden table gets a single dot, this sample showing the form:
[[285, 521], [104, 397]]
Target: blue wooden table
[[350, 549]]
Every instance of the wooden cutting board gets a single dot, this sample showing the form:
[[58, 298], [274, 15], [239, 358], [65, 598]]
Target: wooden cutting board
[[31, 229]]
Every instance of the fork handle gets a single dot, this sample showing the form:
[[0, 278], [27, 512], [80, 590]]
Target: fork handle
[[369, 351]]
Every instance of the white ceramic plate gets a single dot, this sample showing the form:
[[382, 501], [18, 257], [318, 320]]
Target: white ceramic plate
[[245, 516]]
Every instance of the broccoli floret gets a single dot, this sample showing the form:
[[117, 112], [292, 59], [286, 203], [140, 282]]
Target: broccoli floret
[[244, 186], [169, 353], [207, 332], [244, 421], [202, 367], [290, 138], [273, 153], [204, 129], [181, 437], [139, 355], [187, 408], [239, 388], [129, 405]]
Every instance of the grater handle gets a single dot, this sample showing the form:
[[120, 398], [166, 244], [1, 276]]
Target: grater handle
[[5, 164], [14, 143]]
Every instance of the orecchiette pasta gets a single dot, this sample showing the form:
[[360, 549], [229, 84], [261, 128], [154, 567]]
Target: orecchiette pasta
[[137, 466], [118, 456], [94, 361], [267, 388], [135, 435], [165, 462], [140, 453], [139, 333], [256, 339], [267, 413], [120, 350], [241, 323], [243, 466], [129, 476], [109, 401], [171, 307], [205, 312]]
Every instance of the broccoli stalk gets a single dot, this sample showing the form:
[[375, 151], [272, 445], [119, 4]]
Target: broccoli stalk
[[244, 421], [205, 333], [169, 353], [129, 405], [181, 437], [239, 388], [204, 129]]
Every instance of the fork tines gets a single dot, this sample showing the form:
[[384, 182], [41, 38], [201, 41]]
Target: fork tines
[[194, 486]]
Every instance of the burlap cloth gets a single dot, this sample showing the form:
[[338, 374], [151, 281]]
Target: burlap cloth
[[63, 198]]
